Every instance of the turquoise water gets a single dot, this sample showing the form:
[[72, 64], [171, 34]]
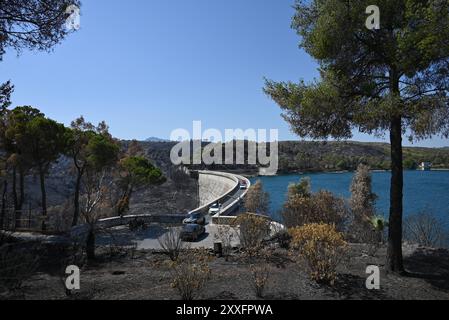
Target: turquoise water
[[422, 190]]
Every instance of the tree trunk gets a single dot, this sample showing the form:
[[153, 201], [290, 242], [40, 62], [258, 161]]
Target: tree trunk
[[394, 258], [90, 244], [44, 198], [76, 204], [22, 188], [3, 213], [17, 213]]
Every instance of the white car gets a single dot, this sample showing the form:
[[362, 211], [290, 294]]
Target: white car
[[214, 209], [243, 185]]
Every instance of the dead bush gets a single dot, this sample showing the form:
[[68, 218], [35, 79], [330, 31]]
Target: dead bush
[[257, 200], [321, 207], [323, 249], [225, 234], [171, 242], [190, 273], [253, 230], [425, 230], [260, 275], [16, 266], [60, 216]]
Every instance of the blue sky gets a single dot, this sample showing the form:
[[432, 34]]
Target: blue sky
[[147, 67]]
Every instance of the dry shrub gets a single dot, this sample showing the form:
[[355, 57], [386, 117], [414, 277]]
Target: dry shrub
[[225, 234], [322, 247], [16, 266], [257, 200], [171, 242], [425, 230], [260, 276], [60, 216], [321, 207], [190, 273], [253, 230]]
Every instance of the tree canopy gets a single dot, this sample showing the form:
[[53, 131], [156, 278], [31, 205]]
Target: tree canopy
[[360, 67], [33, 24]]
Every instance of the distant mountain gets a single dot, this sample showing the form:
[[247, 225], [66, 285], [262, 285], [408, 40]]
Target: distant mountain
[[156, 139]]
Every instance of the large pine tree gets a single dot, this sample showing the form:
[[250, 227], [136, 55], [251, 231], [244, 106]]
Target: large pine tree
[[393, 80]]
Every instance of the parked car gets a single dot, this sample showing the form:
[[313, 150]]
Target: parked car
[[214, 209], [195, 218], [191, 232]]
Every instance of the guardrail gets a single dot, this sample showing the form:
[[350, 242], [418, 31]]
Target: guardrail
[[107, 223], [221, 218], [205, 208]]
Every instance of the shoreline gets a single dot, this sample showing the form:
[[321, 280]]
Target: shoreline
[[252, 175]]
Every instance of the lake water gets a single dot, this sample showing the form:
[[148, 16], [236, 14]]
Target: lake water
[[422, 190]]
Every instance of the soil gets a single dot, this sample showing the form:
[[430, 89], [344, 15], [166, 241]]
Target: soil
[[144, 275]]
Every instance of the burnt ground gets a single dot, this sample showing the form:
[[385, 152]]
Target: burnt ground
[[146, 275]]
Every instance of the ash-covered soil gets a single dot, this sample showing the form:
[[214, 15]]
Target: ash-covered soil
[[143, 275]]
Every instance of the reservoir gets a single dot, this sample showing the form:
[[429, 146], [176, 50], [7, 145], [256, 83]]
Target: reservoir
[[423, 190]]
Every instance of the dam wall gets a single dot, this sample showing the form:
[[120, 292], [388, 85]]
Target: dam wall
[[214, 185]]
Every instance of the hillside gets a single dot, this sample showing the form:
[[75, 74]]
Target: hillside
[[328, 156], [309, 156]]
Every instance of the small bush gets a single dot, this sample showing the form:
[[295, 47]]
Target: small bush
[[190, 273], [253, 230], [171, 242], [260, 276], [425, 230], [323, 249]]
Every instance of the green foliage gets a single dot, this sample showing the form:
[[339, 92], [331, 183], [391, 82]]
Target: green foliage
[[136, 171], [38, 139], [379, 223], [102, 151], [6, 90], [140, 171], [303, 188], [33, 24]]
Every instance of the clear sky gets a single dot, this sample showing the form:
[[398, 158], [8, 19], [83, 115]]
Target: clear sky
[[147, 67]]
